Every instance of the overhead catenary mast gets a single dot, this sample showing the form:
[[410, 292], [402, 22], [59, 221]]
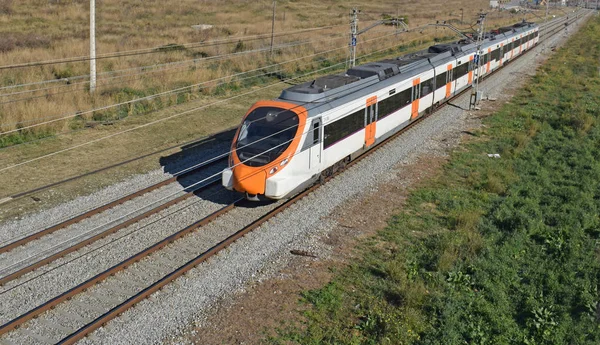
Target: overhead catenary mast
[[354, 32], [475, 94], [92, 46]]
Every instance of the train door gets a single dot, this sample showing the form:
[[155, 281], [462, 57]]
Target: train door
[[371, 121], [449, 79], [416, 97], [315, 149]]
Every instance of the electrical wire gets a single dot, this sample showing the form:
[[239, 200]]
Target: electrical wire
[[155, 69], [164, 119], [165, 49], [195, 61], [182, 89]]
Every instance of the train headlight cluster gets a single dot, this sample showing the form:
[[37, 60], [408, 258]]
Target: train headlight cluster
[[284, 162], [274, 170]]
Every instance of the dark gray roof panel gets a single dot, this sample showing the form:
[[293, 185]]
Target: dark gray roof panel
[[310, 92], [380, 68], [323, 84]]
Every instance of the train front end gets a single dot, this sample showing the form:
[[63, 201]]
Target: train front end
[[263, 148]]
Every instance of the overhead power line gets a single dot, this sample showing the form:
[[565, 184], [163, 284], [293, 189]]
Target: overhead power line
[[174, 116], [178, 90], [163, 49]]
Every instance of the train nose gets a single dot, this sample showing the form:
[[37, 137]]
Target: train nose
[[249, 179]]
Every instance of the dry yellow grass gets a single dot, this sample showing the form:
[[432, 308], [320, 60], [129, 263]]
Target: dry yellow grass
[[40, 30]]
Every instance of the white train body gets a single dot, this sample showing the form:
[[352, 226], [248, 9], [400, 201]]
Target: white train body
[[287, 144]]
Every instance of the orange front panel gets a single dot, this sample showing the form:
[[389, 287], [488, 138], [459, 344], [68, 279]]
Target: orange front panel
[[249, 180], [415, 103], [471, 72], [449, 83], [253, 179], [487, 69]]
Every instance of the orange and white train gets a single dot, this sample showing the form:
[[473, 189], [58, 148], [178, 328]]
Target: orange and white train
[[285, 145]]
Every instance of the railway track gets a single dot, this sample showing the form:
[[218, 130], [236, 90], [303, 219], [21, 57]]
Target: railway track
[[139, 284], [78, 241]]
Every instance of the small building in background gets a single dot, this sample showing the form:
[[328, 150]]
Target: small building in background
[[493, 3]]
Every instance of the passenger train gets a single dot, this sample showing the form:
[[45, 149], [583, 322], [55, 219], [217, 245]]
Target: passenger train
[[313, 129]]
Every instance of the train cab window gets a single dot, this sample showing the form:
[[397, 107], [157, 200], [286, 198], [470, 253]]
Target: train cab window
[[265, 134], [316, 127]]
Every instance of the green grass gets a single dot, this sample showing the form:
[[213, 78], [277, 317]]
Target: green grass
[[493, 251]]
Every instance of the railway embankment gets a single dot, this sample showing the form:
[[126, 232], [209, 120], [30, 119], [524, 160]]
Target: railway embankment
[[502, 245]]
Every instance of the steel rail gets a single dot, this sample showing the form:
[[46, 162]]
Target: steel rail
[[101, 235], [100, 209], [15, 323]]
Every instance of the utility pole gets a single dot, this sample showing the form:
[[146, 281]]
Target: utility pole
[[273, 27], [546, 24], [92, 46], [462, 16], [353, 35], [475, 95]]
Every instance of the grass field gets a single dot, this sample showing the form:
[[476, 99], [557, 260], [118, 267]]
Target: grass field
[[493, 251]]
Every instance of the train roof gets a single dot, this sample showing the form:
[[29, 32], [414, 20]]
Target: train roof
[[327, 87]]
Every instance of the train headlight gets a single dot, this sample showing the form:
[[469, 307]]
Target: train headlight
[[274, 170], [284, 162]]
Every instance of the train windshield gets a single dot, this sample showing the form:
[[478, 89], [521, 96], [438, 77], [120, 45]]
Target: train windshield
[[265, 134]]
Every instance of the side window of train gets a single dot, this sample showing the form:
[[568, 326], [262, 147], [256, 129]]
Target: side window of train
[[343, 127], [391, 104], [461, 70], [440, 80], [316, 131], [405, 97], [426, 87], [496, 54]]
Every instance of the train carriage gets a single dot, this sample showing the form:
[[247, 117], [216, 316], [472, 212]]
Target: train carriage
[[314, 128]]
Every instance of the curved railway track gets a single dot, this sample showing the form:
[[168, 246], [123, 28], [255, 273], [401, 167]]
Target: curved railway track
[[192, 259]]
